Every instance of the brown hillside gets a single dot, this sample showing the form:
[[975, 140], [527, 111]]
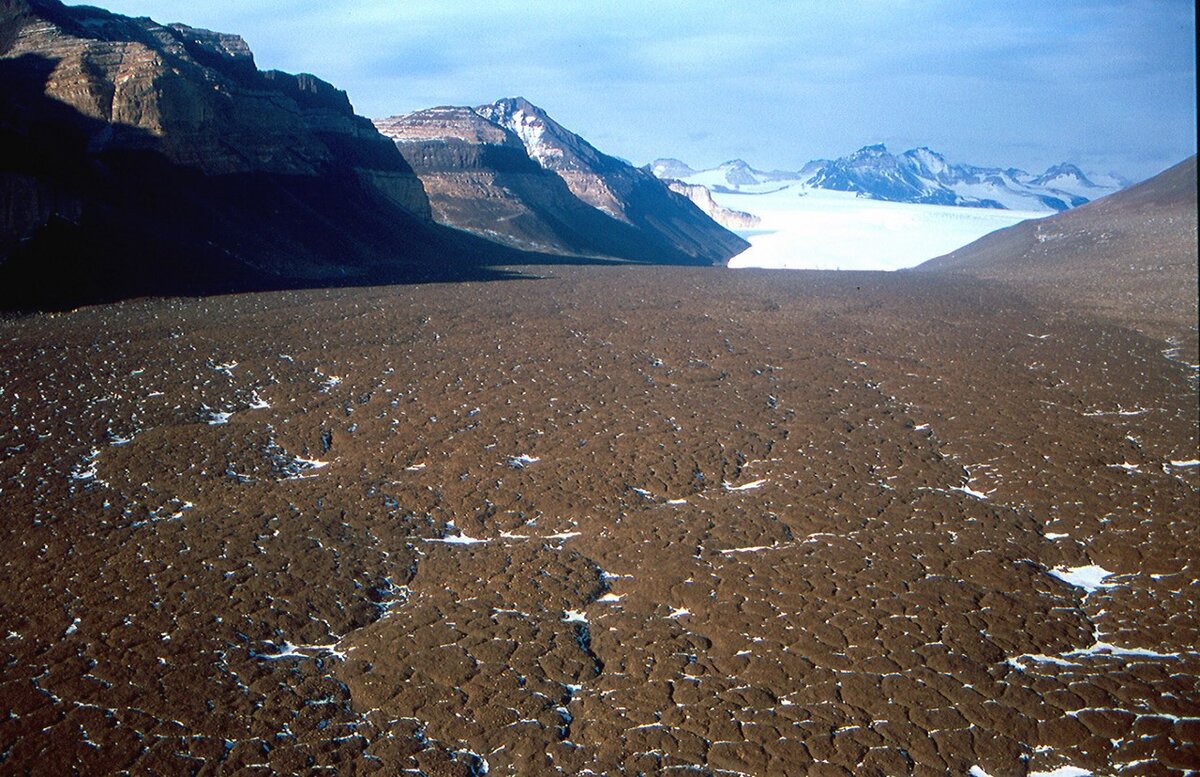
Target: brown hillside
[[1130, 256]]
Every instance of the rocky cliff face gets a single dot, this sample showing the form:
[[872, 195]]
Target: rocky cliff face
[[510, 172], [196, 97], [702, 198], [479, 178], [141, 158]]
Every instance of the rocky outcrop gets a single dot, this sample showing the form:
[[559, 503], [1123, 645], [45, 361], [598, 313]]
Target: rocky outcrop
[[511, 173], [192, 95], [703, 199]]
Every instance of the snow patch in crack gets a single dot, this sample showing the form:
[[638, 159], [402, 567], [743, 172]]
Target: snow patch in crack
[[285, 650], [745, 486], [456, 539], [1090, 577]]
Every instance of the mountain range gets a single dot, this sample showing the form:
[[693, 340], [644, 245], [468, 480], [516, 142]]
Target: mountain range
[[141, 158], [919, 175]]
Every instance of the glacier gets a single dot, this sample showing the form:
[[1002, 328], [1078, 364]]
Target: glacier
[[819, 229]]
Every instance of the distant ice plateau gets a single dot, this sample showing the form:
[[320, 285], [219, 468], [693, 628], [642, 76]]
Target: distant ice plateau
[[873, 210], [817, 229]]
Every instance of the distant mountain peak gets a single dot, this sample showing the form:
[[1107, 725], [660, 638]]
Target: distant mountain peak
[[508, 171], [930, 162], [519, 103], [918, 175], [509, 109], [549, 143], [874, 150], [924, 152], [668, 168], [1063, 170]]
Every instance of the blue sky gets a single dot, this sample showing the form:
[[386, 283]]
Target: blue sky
[[1109, 84]]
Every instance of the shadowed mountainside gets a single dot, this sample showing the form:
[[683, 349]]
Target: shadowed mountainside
[[84, 225], [1131, 256]]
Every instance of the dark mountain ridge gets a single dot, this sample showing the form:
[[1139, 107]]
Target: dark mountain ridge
[[137, 158]]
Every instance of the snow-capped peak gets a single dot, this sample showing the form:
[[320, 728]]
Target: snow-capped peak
[[546, 141], [1065, 173], [530, 124], [873, 151], [928, 161], [670, 168], [920, 175]]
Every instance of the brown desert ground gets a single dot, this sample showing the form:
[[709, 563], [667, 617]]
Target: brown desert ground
[[610, 520]]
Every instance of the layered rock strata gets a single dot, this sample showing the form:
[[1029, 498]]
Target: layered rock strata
[[510, 172]]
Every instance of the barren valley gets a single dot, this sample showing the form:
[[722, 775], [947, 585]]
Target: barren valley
[[449, 444], [603, 520]]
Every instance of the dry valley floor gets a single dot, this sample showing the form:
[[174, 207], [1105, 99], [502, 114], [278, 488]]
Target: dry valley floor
[[612, 520]]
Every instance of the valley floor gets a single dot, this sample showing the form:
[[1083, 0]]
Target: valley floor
[[612, 520]]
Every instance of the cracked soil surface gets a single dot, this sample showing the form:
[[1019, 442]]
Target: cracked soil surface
[[610, 521]]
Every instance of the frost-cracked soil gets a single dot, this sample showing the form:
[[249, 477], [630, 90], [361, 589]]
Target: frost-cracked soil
[[615, 520]]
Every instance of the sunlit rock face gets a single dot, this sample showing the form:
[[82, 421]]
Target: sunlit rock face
[[703, 199], [510, 172]]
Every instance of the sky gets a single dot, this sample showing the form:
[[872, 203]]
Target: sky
[[1107, 84]]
